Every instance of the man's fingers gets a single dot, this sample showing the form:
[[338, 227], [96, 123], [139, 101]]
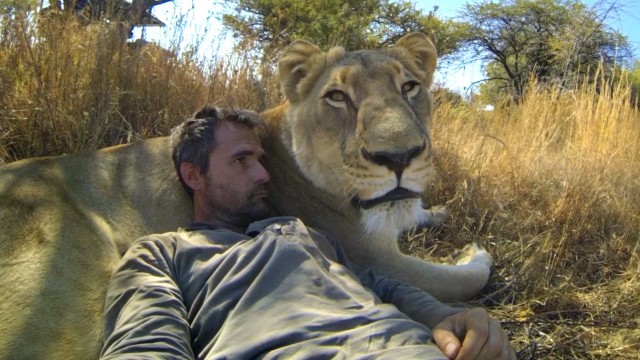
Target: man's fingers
[[478, 328], [473, 334], [447, 341], [495, 348], [507, 351], [498, 346], [489, 342]]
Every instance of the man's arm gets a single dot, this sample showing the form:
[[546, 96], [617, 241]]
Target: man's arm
[[144, 312], [459, 333], [412, 301]]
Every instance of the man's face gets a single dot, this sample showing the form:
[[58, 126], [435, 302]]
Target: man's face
[[235, 191]]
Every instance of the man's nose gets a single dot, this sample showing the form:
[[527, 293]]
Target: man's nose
[[262, 175]]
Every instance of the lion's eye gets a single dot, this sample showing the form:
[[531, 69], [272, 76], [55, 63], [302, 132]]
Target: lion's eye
[[336, 98], [410, 88]]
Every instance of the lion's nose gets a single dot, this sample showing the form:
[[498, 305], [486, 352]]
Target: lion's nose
[[395, 161]]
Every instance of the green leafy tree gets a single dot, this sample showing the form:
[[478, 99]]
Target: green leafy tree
[[494, 92], [270, 25], [554, 41]]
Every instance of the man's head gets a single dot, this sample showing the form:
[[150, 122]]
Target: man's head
[[219, 161]]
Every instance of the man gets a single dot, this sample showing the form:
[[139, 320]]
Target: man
[[236, 284]]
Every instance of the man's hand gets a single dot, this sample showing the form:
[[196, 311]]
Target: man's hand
[[472, 334]]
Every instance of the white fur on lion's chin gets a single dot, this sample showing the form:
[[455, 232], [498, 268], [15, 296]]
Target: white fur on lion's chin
[[393, 217]]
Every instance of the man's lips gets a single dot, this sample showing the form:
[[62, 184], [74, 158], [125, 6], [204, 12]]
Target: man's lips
[[261, 193], [393, 195]]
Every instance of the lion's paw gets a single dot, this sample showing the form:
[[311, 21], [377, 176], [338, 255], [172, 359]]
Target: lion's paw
[[473, 253], [435, 216]]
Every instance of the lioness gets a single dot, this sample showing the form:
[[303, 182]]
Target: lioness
[[356, 127], [349, 154]]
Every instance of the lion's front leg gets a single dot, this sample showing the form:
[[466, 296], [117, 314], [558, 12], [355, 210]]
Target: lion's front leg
[[434, 216], [470, 254], [474, 254]]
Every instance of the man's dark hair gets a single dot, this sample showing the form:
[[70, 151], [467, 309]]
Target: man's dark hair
[[195, 138]]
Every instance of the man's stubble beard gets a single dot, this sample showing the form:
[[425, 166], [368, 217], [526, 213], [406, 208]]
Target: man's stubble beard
[[259, 208], [254, 209]]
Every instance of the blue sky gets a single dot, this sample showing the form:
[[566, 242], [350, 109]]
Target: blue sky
[[627, 23], [198, 15]]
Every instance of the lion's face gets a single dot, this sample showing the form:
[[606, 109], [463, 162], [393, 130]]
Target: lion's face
[[359, 124]]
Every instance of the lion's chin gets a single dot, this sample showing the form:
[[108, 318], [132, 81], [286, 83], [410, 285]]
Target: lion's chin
[[392, 217], [393, 195]]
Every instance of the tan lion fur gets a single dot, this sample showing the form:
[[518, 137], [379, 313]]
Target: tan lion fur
[[65, 221], [327, 139]]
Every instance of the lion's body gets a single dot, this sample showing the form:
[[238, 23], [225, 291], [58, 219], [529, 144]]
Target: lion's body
[[65, 221]]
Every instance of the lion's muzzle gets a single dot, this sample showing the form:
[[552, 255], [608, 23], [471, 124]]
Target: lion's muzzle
[[393, 195], [394, 161]]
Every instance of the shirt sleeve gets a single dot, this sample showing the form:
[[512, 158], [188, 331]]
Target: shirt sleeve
[[409, 299], [145, 317], [412, 301]]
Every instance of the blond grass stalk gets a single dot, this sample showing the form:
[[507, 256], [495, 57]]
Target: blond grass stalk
[[550, 187], [68, 86]]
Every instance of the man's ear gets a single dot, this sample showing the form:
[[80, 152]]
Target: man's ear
[[191, 175]]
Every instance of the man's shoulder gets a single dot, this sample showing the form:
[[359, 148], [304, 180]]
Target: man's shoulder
[[195, 235], [161, 240]]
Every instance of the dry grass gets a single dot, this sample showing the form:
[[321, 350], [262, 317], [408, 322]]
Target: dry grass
[[550, 187], [65, 86]]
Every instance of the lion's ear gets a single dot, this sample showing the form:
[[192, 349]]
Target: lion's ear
[[423, 52], [294, 65]]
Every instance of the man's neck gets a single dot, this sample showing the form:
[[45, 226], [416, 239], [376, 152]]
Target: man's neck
[[220, 224]]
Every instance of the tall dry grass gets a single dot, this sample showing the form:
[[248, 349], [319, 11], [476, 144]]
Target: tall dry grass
[[67, 86], [551, 187]]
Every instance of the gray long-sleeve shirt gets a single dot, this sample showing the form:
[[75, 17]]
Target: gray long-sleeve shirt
[[279, 291]]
